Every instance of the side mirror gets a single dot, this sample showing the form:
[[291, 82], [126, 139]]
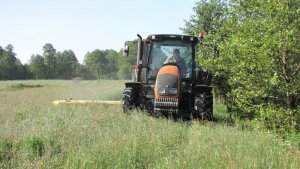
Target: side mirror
[[125, 50]]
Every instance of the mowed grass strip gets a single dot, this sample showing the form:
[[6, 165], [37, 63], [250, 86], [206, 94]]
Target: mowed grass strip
[[36, 134]]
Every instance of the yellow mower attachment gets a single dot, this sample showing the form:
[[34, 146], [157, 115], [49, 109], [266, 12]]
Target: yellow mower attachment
[[83, 102]]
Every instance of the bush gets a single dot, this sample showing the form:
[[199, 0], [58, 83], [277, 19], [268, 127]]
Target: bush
[[283, 121], [258, 69]]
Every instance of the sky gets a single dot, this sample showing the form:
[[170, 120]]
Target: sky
[[86, 25]]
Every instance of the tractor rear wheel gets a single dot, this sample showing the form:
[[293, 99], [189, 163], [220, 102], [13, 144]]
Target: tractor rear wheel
[[204, 106], [130, 99]]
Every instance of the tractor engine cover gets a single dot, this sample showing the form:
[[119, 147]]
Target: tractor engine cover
[[167, 89]]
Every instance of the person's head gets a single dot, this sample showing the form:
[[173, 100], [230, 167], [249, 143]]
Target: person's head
[[176, 54]]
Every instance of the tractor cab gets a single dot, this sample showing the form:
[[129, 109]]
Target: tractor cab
[[158, 50], [169, 51]]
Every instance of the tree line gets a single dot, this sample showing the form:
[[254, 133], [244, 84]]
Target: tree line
[[53, 64], [257, 71]]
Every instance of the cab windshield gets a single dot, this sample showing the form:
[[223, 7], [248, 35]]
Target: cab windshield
[[171, 51]]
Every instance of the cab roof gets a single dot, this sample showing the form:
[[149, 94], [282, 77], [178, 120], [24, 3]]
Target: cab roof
[[163, 37]]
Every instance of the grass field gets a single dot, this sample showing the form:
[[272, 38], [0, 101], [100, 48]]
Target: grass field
[[35, 134]]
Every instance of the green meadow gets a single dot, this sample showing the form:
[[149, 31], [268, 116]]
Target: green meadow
[[36, 134]]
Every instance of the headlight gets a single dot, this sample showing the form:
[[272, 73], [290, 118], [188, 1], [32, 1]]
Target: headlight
[[173, 91], [164, 91]]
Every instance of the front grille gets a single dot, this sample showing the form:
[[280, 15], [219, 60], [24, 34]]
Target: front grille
[[166, 105]]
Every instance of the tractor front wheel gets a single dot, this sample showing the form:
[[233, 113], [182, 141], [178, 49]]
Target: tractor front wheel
[[204, 106], [130, 99]]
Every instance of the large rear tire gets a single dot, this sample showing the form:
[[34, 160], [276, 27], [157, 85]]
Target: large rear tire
[[130, 99], [204, 106]]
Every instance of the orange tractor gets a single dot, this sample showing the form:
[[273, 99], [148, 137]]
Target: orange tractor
[[167, 79]]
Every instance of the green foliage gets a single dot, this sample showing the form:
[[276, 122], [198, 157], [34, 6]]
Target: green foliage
[[258, 70], [209, 18], [23, 86], [10, 67], [124, 71], [50, 60], [37, 67], [113, 67], [54, 65], [108, 64], [281, 120], [66, 64], [98, 64]]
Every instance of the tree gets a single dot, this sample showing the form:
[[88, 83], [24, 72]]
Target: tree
[[73, 62], [97, 63], [1, 67], [9, 64], [113, 67], [50, 61], [37, 67], [209, 18], [1, 51], [20, 71], [9, 48], [27, 74], [66, 64], [124, 71]]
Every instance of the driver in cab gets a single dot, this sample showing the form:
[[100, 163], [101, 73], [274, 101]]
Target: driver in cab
[[175, 58]]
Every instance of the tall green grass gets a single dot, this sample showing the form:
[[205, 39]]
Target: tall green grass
[[34, 134]]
